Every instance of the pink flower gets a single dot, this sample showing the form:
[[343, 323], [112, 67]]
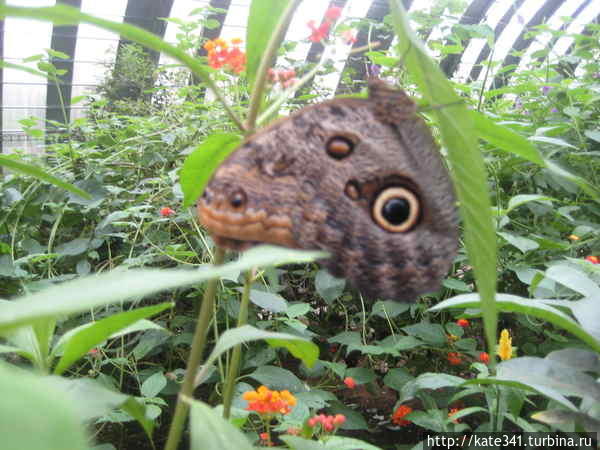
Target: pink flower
[[349, 37]]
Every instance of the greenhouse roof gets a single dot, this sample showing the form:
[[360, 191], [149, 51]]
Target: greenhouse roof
[[90, 48]]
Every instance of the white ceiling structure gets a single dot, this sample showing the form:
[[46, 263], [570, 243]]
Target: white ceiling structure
[[25, 95]]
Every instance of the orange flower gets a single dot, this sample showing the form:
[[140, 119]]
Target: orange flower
[[166, 211], [268, 402], [333, 13], [266, 439], [350, 382], [593, 259], [452, 412], [484, 357], [462, 323], [454, 358], [220, 54], [398, 416]]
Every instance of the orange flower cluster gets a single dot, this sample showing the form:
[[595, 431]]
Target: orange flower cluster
[[593, 259], [454, 358], [329, 423], [464, 323], [452, 412], [398, 416], [266, 401], [221, 53], [350, 382], [484, 357]]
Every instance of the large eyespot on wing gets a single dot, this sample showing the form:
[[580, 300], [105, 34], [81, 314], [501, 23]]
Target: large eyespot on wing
[[396, 209]]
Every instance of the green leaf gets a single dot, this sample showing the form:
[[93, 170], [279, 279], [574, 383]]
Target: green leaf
[[78, 344], [594, 135], [263, 18], [298, 443], [430, 420], [573, 279], [428, 380], [298, 346], [93, 400], [562, 417], [505, 139], [460, 138], [328, 286], [397, 378], [9, 65], [361, 375], [522, 199], [553, 141], [199, 166], [578, 359], [389, 308], [152, 386], [550, 374], [542, 309], [432, 333], [278, 379], [55, 425], [211, 432], [524, 387], [583, 184], [522, 243], [93, 291], [57, 54], [269, 301], [36, 172]]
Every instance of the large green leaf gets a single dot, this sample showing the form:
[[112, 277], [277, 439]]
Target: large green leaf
[[262, 23], [211, 432], [542, 309], [550, 393], [36, 172], [93, 400], [199, 166], [460, 138], [298, 346], [35, 416], [89, 292], [547, 373], [78, 344], [505, 139]]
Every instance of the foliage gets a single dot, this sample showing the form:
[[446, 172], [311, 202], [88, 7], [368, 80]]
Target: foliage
[[104, 290]]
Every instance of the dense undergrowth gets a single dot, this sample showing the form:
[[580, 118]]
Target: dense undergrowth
[[341, 368]]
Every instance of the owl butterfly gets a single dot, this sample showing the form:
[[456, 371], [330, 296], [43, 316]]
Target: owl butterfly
[[359, 178]]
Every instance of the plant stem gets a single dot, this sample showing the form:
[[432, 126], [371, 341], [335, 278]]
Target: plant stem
[[234, 364], [265, 62], [198, 344]]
